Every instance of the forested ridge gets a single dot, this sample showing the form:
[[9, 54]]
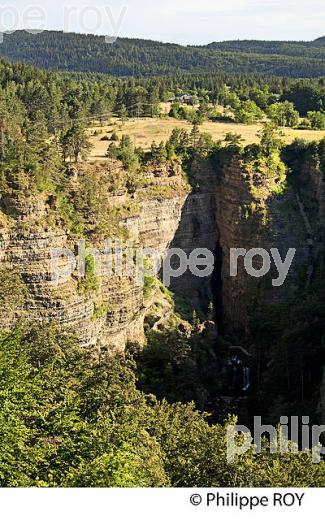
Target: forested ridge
[[313, 49], [137, 57]]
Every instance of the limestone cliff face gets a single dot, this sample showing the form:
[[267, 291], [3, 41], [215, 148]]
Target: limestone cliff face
[[114, 310], [252, 212], [241, 208], [157, 222], [197, 230], [311, 189]]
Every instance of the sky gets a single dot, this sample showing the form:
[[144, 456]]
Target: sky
[[181, 21]]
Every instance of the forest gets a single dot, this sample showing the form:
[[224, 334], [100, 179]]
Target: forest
[[135, 57]]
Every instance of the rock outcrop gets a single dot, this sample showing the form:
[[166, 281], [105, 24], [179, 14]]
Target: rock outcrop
[[113, 310], [252, 211]]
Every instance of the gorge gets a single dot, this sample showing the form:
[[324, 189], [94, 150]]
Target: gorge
[[227, 204]]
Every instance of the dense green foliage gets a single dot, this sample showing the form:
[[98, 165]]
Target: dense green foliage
[[291, 359], [127, 57], [313, 49], [69, 419]]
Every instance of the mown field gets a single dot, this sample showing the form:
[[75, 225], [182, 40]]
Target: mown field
[[144, 131]]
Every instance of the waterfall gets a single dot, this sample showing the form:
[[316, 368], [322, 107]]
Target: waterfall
[[246, 379]]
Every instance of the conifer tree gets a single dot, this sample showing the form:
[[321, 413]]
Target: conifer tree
[[195, 135]]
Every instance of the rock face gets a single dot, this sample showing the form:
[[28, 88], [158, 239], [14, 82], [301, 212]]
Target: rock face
[[238, 209], [197, 230], [252, 213], [243, 208], [157, 222], [113, 311]]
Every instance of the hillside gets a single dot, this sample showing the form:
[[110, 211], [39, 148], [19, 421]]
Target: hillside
[[309, 50], [136, 57]]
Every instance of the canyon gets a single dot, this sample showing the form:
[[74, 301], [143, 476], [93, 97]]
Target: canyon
[[237, 208]]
